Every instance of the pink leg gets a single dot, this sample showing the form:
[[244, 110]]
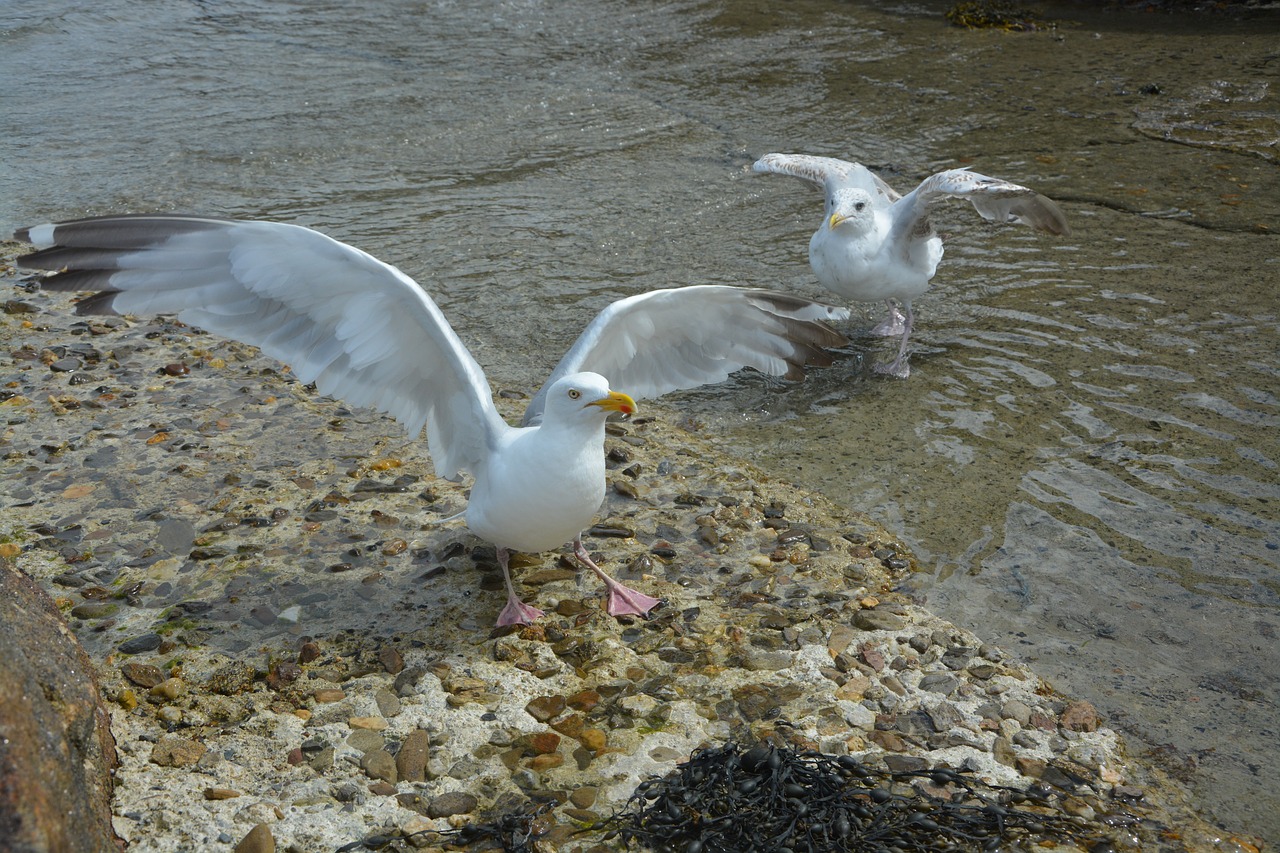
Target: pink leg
[[899, 366], [623, 600], [516, 612], [892, 325]]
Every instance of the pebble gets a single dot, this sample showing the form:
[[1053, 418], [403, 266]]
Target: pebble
[[170, 688], [391, 660], [175, 751], [375, 724], [452, 803], [388, 703], [544, 708], [144, 643], [259, 840], [879, 620], [378, 764], [1080, 716], [220, 794], [142, 674], [411, 760], [365, 740]]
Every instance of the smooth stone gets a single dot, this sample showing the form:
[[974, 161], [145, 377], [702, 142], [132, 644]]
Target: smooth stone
[[259, 840], [365, 740], [452, 803], [388, 703], [144, 643], [411, 760], [379, 764]]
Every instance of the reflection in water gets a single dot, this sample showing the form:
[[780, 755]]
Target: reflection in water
[[1084, 457]]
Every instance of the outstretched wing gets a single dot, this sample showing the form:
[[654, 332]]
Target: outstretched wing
[[995, 199], [358, 328], [667, 340], [828, 173]]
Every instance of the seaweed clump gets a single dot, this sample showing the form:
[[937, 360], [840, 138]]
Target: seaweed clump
[[769, 800], [995, 15]]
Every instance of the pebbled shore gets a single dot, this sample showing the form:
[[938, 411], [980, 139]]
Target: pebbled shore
[[295, 655]]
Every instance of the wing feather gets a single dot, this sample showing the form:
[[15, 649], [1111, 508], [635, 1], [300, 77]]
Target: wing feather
[[357, 327], [994, 199], [667, 340], [828, 173]]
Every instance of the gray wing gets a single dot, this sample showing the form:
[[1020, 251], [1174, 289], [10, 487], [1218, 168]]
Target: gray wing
[[358, 328], [995, 199], [667, 340], [828, 173]]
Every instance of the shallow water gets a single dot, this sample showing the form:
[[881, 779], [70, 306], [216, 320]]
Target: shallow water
[[1084, 459]]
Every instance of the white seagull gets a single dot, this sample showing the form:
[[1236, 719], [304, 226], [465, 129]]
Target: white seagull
[[364, 331], [876, 244]]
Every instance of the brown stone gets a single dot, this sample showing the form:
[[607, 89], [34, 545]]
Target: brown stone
[[539, 763], [1080, 716], [545, 708], [142, 674], [326, 695], [220, 794], [411, 760], [570, 726], [391, 660], [259, 840], [57, 753], [594, 739], [888, 741], [175, 751], [543, 743], [584, 797], [584, 700]]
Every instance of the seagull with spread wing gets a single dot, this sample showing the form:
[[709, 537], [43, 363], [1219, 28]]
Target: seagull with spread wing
[[876, 244], [363, 331]]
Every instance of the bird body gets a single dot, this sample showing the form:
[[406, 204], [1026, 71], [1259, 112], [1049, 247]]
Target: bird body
[[537, 490], [875, 244], [362, 330]]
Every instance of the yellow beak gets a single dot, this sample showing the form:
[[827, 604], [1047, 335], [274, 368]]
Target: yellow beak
[[616, 402], [836, 219]]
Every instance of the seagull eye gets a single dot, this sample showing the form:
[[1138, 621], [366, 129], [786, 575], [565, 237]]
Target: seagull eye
[[860, 205], [574, 393]]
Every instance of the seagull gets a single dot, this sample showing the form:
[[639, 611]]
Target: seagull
[[876, 244], [365, 332]]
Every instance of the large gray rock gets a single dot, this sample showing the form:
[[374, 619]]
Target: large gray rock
[[56, 749]]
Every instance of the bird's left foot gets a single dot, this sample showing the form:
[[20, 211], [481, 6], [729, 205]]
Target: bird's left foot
[[897, 368]]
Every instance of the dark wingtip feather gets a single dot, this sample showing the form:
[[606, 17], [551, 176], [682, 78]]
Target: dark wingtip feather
[[98, 303]]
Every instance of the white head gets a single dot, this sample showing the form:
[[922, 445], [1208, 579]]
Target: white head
[[850, 209], [584, 398]]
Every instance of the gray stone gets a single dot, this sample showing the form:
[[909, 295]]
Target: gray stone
[[939, 682], [388, 703], [1015, 709], [879, 620], [944, 716], [379, 764], [365, 740], [452, 803]]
